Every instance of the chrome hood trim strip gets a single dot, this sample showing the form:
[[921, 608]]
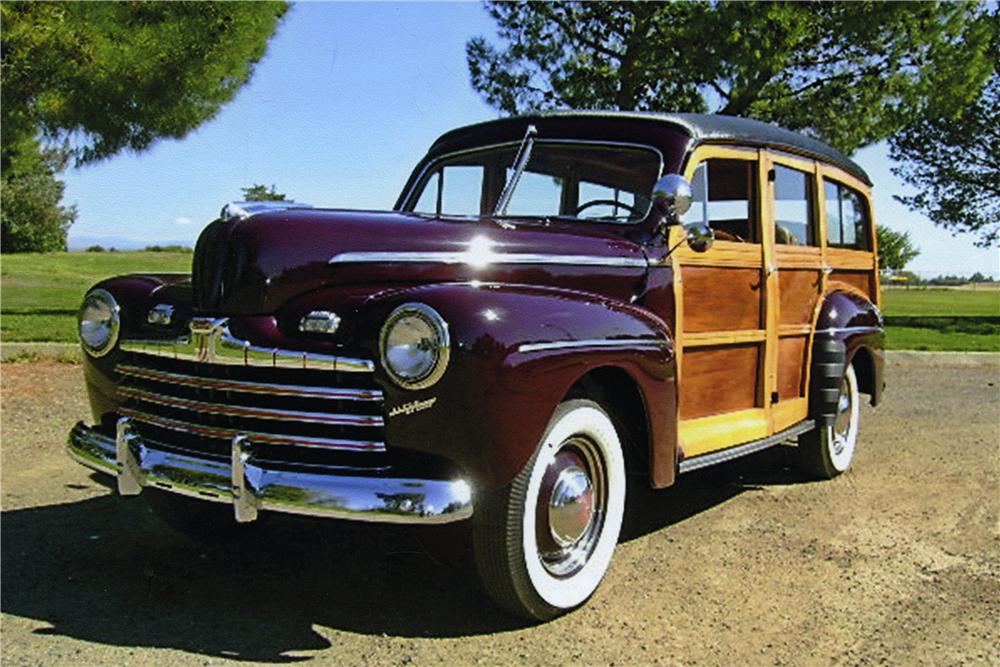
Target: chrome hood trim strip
[[483, 260]]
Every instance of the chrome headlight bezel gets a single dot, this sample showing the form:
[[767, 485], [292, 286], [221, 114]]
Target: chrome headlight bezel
[[440, 347], [110, 326]]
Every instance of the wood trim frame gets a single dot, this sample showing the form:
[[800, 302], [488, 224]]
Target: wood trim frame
[[843, 258], [704, 434], [812, 257]]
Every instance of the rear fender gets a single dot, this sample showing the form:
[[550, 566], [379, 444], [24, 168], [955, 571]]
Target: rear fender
[[849, 320]]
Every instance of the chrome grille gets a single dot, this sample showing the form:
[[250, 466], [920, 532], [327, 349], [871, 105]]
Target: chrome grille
[[200, 407]]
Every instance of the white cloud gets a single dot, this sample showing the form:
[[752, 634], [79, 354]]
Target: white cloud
[[182, 221]]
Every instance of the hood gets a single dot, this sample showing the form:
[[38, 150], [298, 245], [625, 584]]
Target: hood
[[253, 265]]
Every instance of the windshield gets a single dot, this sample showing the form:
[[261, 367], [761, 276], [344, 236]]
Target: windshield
[[585, 181]]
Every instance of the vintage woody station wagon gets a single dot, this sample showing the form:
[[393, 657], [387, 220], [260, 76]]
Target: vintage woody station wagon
[[554, 300]]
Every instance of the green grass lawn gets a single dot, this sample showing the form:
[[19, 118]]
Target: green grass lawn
[[930, 302], [942, 319], [39, 293]]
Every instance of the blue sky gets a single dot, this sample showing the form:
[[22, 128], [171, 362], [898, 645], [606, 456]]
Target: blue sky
[[347, 99]]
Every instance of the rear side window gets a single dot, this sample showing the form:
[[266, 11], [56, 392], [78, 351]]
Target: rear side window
[[792, 207], [847, 218]]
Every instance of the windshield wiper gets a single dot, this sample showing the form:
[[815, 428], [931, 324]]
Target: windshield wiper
[[520, 162]]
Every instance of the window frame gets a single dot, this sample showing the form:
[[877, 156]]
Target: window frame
[[865, 203], [754, 191], [430, 167], [808, 172]]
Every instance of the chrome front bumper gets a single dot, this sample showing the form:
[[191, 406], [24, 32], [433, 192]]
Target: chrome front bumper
[[250, 487]]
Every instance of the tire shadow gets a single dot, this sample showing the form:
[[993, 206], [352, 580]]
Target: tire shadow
[[106, 570]]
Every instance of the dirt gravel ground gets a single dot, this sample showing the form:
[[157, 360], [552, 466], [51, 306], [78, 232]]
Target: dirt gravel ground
[[896, 562]]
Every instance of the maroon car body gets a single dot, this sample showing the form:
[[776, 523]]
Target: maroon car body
[[538, 309]]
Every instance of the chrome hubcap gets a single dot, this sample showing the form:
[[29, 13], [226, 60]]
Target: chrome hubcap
[[571, 507], [842, 423]]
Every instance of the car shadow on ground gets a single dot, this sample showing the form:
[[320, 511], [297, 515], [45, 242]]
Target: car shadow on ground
[[106, 570]]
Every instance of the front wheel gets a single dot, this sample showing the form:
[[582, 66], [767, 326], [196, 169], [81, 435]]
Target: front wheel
[[828, 451], [544, 542]]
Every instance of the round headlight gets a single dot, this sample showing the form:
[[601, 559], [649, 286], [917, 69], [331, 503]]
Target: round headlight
[[98, 322], [415, 346]]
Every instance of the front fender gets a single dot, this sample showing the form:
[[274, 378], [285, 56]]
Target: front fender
[[135, 294], [516, 353]]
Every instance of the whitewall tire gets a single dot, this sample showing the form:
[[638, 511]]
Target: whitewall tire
[[829, 450], [544, 542]]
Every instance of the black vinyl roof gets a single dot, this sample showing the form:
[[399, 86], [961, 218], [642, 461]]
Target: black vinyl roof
[[710, 128]]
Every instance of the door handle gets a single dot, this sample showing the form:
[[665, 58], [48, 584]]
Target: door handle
[[827, 269]]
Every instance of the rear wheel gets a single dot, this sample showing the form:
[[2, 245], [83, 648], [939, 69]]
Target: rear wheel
[[544, 542], [828, 451]]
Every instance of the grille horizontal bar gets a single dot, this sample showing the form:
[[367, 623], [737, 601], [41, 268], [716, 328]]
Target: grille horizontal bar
[[254, 437], [242, 386], [248, 412]]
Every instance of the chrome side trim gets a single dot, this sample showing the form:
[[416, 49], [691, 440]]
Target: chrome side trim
[[210, 341], [400, 500], [595, 342], [850, 330], [241, 386], [705, 460], [480, 259], [261, 438], [249, 412]]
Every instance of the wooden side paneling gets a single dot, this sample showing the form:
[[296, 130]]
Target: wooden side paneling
[[799, 290], [721, 299], [719, 379], [791, 366], [860, 280], [709, 434]]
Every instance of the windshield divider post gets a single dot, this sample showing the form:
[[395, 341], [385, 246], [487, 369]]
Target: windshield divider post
[[520, 162]]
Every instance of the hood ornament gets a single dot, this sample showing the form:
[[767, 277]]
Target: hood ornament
[[241, 210]]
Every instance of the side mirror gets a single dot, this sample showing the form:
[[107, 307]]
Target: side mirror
[[672, 196], [699, 236]]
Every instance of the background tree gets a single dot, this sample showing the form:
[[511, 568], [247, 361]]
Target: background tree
[[954, 164], [850, 73], [100, 78], [895, 249], [258, 192], [32, 218]]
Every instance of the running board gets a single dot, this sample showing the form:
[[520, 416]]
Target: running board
[[721, 456]]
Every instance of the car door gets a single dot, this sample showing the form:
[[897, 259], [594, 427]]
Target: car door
[[791, 213], [725, 332]]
